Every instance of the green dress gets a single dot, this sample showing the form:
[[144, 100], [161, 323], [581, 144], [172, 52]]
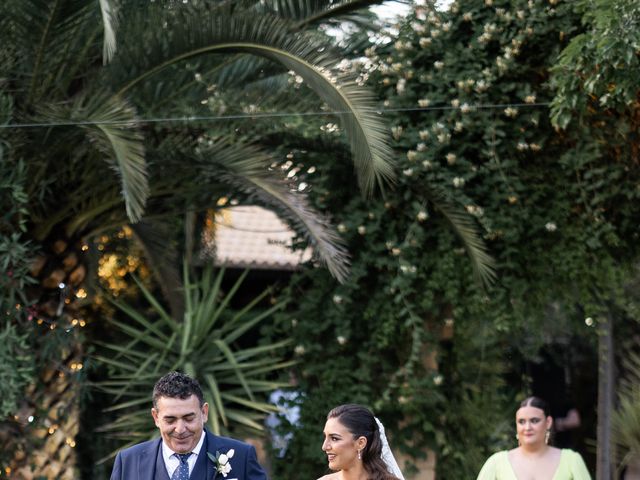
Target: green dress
[[571, 467]]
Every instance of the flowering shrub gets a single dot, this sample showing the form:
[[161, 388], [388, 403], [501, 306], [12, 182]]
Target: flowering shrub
[[466, 94]]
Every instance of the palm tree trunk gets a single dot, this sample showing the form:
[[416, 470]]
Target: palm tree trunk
[[44, 446], [50, 446]]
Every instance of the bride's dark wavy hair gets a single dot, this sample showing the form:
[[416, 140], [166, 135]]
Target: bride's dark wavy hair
[[361, 423]]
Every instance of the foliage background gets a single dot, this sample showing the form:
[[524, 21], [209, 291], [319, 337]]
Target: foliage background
[[516, 119], [467, 94]]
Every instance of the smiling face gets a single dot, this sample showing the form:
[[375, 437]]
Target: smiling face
[[532, 425], [181, 421], [340, 446]]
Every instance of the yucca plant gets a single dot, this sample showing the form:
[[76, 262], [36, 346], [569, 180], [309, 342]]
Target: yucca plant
[[214, 343]]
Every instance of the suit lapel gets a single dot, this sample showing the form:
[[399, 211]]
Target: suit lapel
[[211, 445], [147, 461]]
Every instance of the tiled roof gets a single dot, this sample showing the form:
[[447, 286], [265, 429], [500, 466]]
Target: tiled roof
[[254, 237]]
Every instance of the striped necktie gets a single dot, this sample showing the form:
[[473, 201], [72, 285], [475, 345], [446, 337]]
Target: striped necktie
[[182, 472]]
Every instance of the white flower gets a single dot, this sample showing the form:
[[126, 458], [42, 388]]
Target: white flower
[[412, 155], [424, 102], [395, 251], [341, 340], [342, 227], [455, 103], [221, 461], [417, 27], [397, 131], [299, 350], [400, 87], [427, 164], [451, 158], [408, 268], [444, 137], [437, 380], [425, 42], [362, 229], [535, 147], [551, 227], [421, 147], [424, 134], [465, 108], [408, 172], [474, 210], [481, 86], [522, 146], [337, 299], [467, 17], [588, 321], [459, 126], [458, 182], [422, 216], [439, 65], [511, 112]]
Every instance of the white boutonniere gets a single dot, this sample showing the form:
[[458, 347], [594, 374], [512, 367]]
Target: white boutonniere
[[221, 460]]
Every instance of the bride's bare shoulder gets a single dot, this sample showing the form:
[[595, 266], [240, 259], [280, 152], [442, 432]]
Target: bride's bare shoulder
[[331, 476]]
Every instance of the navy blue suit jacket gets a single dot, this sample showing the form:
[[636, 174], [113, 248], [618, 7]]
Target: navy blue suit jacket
[[139, 462]]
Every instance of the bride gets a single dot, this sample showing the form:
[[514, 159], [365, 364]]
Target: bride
[[356, 446]]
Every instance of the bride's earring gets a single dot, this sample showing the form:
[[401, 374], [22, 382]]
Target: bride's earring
[[518, 439], [359, 454], [547, 435]]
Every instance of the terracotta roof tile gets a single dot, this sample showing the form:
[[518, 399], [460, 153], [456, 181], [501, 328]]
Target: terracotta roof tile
[[254, 237]]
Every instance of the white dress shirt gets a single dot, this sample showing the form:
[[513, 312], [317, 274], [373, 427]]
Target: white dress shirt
[[171, 461]]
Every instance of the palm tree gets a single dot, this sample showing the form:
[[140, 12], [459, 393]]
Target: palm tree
[[90, 85]]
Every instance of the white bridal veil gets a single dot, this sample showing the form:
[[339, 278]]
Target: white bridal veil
[[387, 455]]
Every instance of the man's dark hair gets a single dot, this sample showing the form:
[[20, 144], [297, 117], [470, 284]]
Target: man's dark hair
[[176, 385]]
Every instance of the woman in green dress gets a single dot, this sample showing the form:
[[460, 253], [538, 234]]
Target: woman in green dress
[[534, 458]]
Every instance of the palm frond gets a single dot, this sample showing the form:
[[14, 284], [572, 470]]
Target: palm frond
[[245, 168], [113, 124], [110, 23], [466, 228], [50, 34], [196, 36], [337, 12]]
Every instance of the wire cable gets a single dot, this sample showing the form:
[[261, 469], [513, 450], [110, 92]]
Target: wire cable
[[253, 116]]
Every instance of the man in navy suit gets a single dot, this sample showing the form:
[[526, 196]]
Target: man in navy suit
[[186, 449]]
